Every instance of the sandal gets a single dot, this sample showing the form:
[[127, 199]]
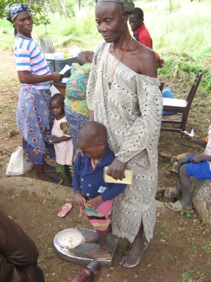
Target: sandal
[[171, 193], [136, 259], [64, 210], [176, 207]]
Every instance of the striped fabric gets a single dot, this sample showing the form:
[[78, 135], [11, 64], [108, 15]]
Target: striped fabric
[[101, 217], [30, 58]]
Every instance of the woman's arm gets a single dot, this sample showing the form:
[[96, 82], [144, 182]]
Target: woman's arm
[[59, 139], [29, 78]]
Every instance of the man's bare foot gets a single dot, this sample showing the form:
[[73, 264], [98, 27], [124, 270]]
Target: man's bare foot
[[133, 258], [92, 239], [97, 253]]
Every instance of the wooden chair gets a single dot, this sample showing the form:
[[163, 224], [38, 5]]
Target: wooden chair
[[179, 106]]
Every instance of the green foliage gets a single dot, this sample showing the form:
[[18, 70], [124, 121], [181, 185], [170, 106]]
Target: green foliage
[[187, 213], [182, 39], [39, 15], [186, 276], [179, 65]]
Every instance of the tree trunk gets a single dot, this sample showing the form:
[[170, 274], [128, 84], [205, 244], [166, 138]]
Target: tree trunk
[[62, 3]]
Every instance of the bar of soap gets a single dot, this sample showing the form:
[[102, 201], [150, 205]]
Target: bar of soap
[[127, 180]]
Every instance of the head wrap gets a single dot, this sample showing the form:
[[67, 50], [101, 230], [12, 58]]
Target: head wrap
[[128, 5], [15, 10]]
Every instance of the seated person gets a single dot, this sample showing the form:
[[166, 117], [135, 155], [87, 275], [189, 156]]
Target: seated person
[[76, 111], [92, 193], [18, 253], [198, 166]]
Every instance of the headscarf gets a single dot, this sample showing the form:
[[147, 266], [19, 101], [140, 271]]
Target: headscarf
[[15, 10], [128, 5]]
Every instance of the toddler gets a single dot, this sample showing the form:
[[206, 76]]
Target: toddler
[[61, 139], [91, 192]]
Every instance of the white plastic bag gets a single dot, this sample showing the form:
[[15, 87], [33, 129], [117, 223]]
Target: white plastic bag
[[17, 165]]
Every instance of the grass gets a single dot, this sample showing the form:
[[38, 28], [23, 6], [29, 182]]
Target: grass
[[54, 202], [181, 38]]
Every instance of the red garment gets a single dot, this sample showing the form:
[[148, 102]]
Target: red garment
[[142, 35]]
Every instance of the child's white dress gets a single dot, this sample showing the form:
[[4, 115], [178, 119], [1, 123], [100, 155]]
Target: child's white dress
[[63, 150]]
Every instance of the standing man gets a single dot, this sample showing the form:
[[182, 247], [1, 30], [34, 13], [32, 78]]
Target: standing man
[[123, 94], [140, 32]]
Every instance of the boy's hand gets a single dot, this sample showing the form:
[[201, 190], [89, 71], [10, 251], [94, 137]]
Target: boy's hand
[[198, 158], [95, 202], [80, 200], [78, 151]]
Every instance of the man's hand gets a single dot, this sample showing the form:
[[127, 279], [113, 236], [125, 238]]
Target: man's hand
[[116, 169]]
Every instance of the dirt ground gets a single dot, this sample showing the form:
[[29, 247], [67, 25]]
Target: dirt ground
[[181, 247]]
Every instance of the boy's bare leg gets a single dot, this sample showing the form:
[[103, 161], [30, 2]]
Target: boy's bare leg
[[102, 249], [137, 249], [185, 184], [182, 161], [92, 239]]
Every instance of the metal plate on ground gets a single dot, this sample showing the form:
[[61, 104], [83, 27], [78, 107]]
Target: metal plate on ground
[[69, 238], [79, 255]]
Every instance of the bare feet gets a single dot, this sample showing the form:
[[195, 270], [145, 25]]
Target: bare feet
[[138, 248], [98, 253], [43, 176], [133, 258], [41, 173], [48, 168], [92, 239]]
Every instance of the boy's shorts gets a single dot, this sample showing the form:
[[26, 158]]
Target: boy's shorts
[[200, 170], [101, 217]]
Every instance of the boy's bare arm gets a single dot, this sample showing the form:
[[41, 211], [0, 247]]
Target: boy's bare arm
[[80, 200], [199, 142], [201, 157]]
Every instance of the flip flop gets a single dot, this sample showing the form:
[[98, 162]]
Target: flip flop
[[171, 193], [64, 210], [137, 258], [176, 207]]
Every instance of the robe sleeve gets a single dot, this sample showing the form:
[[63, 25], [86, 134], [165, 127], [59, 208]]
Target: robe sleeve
[[143, 135]]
